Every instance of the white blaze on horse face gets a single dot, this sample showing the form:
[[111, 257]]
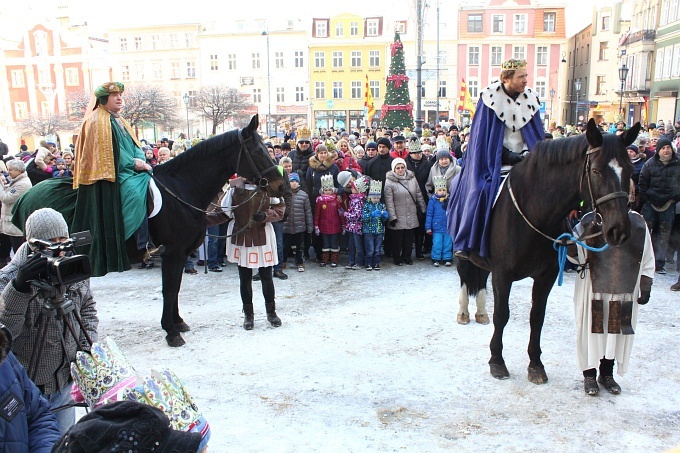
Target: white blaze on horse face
[[614, 165]]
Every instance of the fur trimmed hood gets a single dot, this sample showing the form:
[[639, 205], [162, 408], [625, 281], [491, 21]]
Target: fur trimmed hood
[[324, 165]]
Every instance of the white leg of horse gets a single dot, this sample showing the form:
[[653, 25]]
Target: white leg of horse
[[481, 316], [463, 302]]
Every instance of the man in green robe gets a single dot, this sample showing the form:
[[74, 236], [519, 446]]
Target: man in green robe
[[107, 194]]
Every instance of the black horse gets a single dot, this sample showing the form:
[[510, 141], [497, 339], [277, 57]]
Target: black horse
[[531, 209], [188, 184]]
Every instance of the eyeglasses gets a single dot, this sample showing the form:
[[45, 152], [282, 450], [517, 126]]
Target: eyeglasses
[[304, 142], [415, 152]]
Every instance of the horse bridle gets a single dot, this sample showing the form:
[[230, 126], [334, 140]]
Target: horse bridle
[[262, 182], [594, 202]]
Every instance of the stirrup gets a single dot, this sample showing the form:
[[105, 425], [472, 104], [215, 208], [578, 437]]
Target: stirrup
[[462, 255], [154, 252]]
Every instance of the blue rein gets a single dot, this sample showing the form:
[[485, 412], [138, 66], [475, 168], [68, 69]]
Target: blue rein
[[561, 248]]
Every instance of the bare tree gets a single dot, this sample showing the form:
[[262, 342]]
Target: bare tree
[[44, 126], [220, 103], [150, 104], [78, 102]]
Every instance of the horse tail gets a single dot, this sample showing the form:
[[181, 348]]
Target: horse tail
[[473, 277]]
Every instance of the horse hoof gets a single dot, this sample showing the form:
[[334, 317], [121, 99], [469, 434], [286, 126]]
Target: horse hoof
[[537, 375], [182, 327], [463, 318], [482, 319], [499, 371], [175, 341]]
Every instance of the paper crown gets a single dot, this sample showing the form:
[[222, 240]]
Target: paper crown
[[654, 133], [414, 145], [427, 133], [375, 188], [326, 182], [441, 143], [514, 64], [303, 133], [439, 182], [361, 184]]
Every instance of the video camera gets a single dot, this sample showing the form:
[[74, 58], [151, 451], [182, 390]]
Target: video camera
[[65, 270]]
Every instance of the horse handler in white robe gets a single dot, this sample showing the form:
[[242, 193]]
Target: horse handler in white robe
[[624, 274]]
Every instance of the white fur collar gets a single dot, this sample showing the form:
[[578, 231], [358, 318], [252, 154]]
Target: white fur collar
[[515, 114]]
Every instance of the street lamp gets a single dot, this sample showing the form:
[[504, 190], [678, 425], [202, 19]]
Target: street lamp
[[185, 98], [623, 74], [269, 88], [552, 95], [577, 86]]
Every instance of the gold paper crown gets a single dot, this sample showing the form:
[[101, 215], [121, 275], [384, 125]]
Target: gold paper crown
[[303, 133], [514, 64], [375, 188], [439, 182]]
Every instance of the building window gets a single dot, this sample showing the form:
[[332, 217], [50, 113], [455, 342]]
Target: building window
[[299, 59], [676, 61], [605, 23], [442, 58], [18, 78], [189, 39], [280, 97], [44, 78], [125, 72], [299, 94], [496, 55], [520, 24], [191, 69], [442, 88], [72, 77], [473, 88], [278, 60], [20, 110], [257, 95], [155, 42], [474, 23], [214, 64], [549, 22], [321, 29], [372, 27], [540, 88], [337, 90], [123, 44], [139, 71], [356, 58], [374, 86], [157, 68], [320, 90], [400, 27], [498, 23], [604, 46], [668, 62], [337, 59], [542, 55], [354, 28], [473, 55], [601, 87], [356, 89], [319, 59], [231, 61], [339, 30], [175, 71], [138, 43], [173, 40], [518, 53], [374, 58], [255, 56]]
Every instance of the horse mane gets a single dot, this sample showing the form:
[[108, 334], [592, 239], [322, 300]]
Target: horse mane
[[558, 152], [200, 152]]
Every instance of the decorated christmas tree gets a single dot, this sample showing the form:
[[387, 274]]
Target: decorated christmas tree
[[397, 111]]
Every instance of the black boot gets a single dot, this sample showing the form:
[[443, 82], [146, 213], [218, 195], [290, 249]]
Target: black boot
[[271, 314], [606, 377], [249, 316], [590, 382]]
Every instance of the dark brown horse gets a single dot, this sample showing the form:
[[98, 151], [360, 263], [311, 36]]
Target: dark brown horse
[[531, 209]]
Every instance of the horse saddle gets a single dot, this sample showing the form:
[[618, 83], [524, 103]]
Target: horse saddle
[[154, 200], [615, 271]]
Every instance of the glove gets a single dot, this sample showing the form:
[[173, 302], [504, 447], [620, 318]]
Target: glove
[[317, 231], [376, 214], [393, 223], [644, 297], [384, 215], [285, 216], [429, 232], [259, 216], [30, 270]]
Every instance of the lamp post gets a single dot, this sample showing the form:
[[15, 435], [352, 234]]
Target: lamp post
[[577, 86], [185, 98], [269, 88], [623, 74], [552, 95]]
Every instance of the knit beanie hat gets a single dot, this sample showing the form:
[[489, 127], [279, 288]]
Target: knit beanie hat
[[398, 161], [344, 177], [372, 145], [634, 148], [60, 161], [663, 142], [385, 141], [320, 147], [285, 146], [443, 153], [294, 177], [46, 224]]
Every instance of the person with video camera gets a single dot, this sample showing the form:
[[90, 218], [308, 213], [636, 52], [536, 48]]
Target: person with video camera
[[23, 306]]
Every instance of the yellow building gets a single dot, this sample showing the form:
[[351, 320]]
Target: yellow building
[[343, 51]]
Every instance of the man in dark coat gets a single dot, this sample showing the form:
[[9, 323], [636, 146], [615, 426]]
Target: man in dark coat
[[421, 168], [371, 152], [378, 167]]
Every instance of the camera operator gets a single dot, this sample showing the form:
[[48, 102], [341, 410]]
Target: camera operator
[[23, 306]]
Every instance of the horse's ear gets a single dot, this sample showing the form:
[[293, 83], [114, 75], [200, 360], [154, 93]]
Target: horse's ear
[[254, 123], [593, 134], [631, 134]]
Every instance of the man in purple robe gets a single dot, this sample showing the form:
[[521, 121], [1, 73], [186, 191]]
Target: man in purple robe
[[506, 125]]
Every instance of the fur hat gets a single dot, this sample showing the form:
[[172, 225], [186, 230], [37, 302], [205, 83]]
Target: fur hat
[[361, 184], [46, 224], [327, 182], [398, 161], [375, 189], [385, 141], [344, 177], [439, 182]]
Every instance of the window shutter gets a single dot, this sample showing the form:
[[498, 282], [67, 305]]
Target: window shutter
[[380, 26], [365, 28], [314, 28]]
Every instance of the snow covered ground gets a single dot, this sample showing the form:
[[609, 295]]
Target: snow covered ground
[[376, 361]]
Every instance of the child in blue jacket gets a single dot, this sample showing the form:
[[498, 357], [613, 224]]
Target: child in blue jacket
[[435, 224], [373, 226]]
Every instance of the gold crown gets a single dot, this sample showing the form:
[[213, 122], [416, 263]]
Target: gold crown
[[303, 133], [514, 64]]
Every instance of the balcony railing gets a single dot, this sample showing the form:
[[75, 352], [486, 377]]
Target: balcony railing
[[642, 35]]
